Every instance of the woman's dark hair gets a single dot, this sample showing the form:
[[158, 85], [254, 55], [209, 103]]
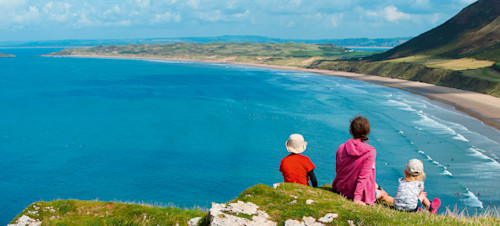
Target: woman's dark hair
[[360, 128]]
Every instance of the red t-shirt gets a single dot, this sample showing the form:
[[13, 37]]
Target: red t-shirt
[[295, 167]]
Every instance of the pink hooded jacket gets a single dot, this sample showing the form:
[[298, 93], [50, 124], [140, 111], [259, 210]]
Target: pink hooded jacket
[[355, 168]]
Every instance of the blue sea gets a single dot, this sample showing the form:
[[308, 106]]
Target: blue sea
[[188, 134]]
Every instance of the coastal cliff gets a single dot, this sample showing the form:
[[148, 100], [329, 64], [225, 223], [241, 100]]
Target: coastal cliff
[[283, 204]]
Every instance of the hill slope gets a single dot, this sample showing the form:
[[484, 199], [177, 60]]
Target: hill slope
[[461, 53], [287, 201], [474, 32]]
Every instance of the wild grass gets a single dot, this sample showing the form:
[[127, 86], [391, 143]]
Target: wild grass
[[278, 204], [76, 212], [287, 201], [450, 64]]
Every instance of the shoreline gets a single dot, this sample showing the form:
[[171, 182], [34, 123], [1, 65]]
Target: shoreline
[[483, 107]]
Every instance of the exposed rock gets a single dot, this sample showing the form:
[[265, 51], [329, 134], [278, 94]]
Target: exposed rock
[[220, 215], [306, 221], [292, 202], [242, 207], [292, 222], [328, 218], [25, 220], [275, 185], [311, 221], [293, 196], [309, 201], [194, 222], [351, 223]]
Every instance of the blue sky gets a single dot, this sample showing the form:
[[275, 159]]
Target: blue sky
[[303, 19]]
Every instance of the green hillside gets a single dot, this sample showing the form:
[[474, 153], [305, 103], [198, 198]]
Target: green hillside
[[287, 201], [461, 53], [474, 32]]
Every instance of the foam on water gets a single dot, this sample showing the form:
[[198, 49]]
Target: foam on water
[[471, 200], [444, 169], [433, 124]]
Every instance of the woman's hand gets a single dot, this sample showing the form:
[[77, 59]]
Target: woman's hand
[[359, 202]]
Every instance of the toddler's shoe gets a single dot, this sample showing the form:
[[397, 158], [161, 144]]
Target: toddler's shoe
[[435, 204]]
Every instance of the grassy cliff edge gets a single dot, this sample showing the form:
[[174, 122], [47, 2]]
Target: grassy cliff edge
[[287, 201]]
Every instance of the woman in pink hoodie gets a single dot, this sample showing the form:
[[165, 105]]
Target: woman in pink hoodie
[[355, 167]]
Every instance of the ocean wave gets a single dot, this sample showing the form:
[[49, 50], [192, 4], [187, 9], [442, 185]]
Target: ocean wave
[[479, 153], [352, 88], [418, 104], [460, 137], [436, 163], [432, 124], [471, 200], [401, 105]]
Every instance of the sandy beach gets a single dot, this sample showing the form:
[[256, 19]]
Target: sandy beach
[[480, 106]]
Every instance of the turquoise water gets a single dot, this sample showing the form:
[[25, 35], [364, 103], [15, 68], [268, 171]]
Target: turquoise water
[[187, 134]]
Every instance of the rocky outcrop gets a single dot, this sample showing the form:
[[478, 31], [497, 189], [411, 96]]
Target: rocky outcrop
[[239, 213], [25, 220], [248, 214]]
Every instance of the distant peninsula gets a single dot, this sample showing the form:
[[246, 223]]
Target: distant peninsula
[[6, 55], [285, 54]]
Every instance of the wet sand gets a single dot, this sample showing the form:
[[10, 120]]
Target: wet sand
[[481, 106]]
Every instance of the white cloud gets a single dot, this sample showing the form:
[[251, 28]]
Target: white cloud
[[142, 3], [218, 15], [193, 3], [28, 17], [336, 18], [11, 4], [435, 18], [57, 11], [391, 13], [114, 10], [245, 16], [166, 17], [246, 13]]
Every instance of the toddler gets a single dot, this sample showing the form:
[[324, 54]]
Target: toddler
[[297, 168], [410, 195]]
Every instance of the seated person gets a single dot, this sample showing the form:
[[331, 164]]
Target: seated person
[[297, 168], [355, 167], [410, 194]]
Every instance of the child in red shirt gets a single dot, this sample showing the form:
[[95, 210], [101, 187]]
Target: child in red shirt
[[297, 168]]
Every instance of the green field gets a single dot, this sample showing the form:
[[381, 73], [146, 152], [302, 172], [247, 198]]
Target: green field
[[290, 54]]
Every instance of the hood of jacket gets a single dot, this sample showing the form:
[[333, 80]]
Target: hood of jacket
[[357, 147]]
